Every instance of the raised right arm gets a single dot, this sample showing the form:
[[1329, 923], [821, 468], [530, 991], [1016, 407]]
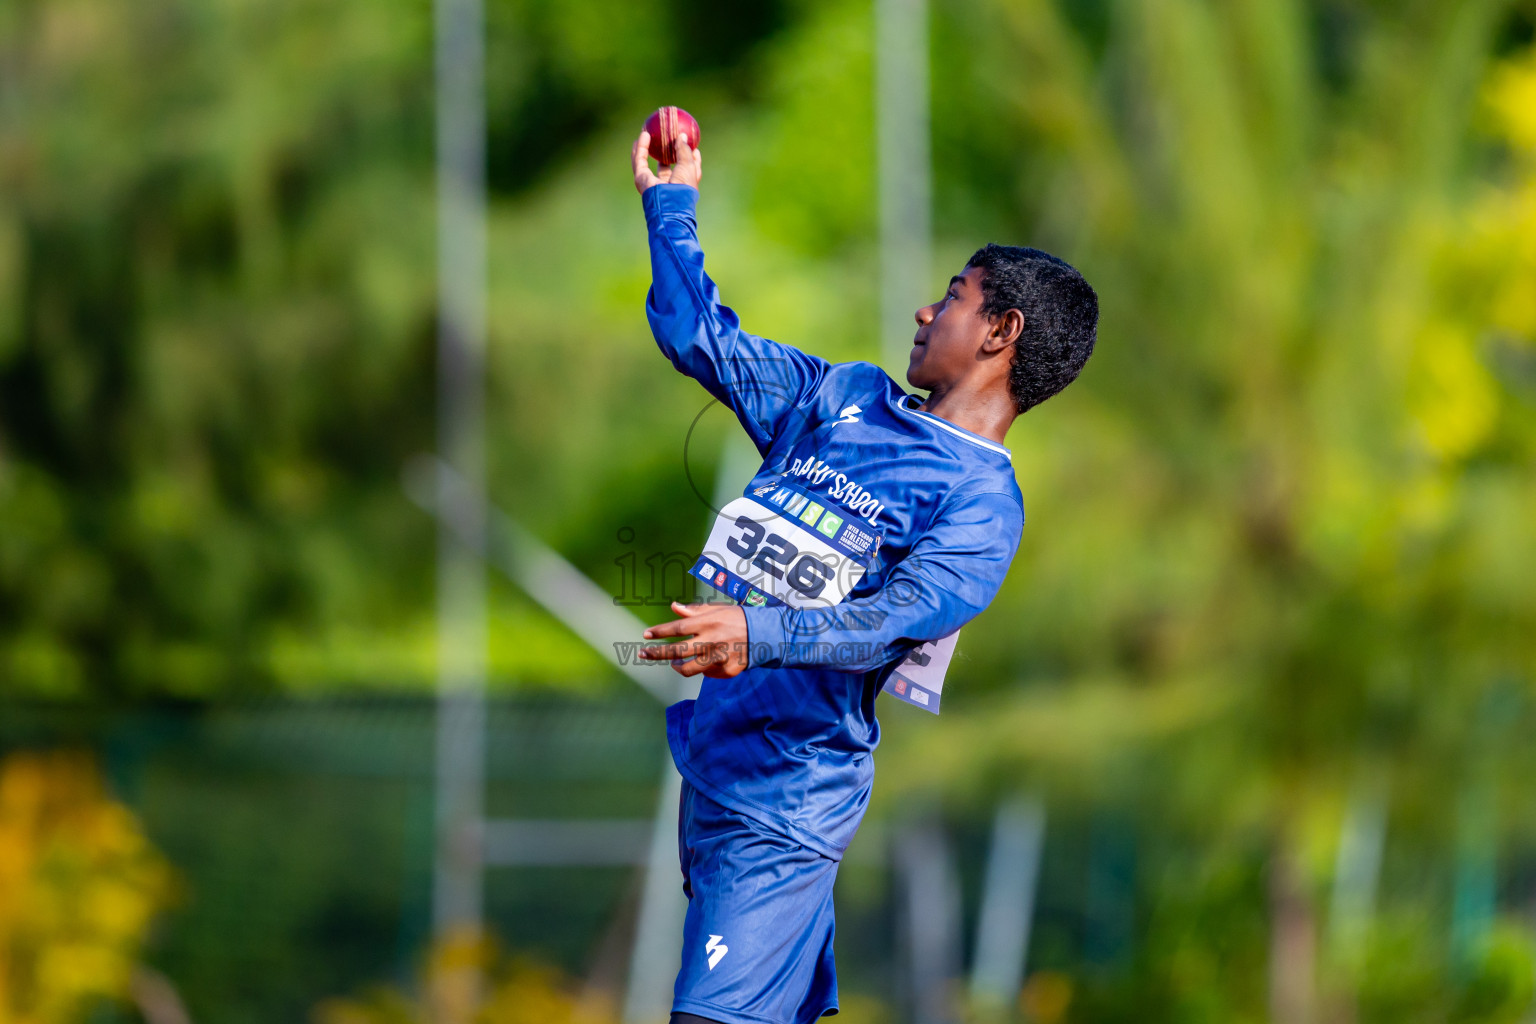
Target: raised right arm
[[761, 381]]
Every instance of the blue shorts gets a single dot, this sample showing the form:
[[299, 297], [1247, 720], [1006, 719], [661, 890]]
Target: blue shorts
[[757, 940]]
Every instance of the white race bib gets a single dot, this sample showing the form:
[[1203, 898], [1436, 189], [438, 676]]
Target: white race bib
[[920, 679], [778, 544]]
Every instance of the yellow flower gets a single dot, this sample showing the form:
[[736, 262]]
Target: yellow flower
[[79, 884], [1453, 397], [1512, 95]]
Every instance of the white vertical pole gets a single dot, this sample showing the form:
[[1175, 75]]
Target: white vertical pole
[[905, 173], [657, 953], [930, 915], [1008, 903], [461, 625], [1356, 869]]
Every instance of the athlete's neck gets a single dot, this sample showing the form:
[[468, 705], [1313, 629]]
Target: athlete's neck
[[980, 413]]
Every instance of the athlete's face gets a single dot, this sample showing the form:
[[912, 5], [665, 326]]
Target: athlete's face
[[951, 334]]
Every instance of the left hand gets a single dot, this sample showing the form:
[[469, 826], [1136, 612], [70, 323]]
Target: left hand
[[719, 645]]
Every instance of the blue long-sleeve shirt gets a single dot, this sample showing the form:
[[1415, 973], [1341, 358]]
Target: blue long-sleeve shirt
[[925, 517]]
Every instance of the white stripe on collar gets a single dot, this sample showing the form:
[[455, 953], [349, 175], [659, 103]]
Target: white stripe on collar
[[960, 432]]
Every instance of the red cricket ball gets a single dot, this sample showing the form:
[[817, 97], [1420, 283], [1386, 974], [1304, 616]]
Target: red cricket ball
[[664, 126]]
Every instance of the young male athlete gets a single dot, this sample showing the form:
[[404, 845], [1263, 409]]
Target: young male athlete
[[879, 524]]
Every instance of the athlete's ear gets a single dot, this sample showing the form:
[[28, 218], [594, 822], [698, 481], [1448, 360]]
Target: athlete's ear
[[1005, 331]]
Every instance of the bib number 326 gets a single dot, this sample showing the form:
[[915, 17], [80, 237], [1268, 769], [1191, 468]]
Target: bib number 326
[[779, 557], [795, 551]]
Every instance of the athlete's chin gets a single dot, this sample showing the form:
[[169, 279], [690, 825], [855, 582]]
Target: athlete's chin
[[915, 374]]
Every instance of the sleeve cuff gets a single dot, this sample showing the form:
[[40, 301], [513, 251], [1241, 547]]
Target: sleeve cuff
[[766, 635], [669, 200]]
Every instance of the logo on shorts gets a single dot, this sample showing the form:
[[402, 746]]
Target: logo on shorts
[[716, 950]]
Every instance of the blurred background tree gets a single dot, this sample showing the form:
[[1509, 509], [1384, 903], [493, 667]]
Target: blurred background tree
[[1280, 512], [1275, 578]]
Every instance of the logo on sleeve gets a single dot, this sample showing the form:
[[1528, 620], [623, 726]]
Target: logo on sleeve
[[716, 950], [850, 414]]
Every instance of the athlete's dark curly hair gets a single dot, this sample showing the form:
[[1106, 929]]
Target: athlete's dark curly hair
[[1061, 317]]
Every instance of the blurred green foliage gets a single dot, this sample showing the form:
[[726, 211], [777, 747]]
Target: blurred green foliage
[[1275, 528], [1279, 536]]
